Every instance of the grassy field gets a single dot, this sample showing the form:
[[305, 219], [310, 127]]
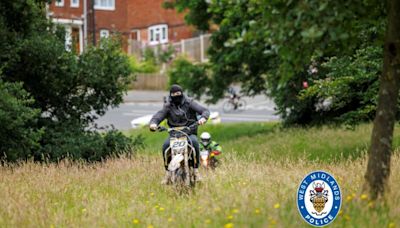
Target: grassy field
[[256, 188]]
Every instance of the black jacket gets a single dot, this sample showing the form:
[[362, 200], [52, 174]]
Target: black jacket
[[184, 114]]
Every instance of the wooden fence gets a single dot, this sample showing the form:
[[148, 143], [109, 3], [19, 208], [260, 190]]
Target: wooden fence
[[150, 82], [194, 48]]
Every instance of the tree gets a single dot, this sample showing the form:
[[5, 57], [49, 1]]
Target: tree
[[269, 46], [378, 169], [198, 14], [66, 92], [19, 134]]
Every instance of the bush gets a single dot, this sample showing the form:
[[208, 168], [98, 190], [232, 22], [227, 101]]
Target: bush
[[68, 92], [19, 134], [166, 54], [67, 140], [350, 88], [142, 67]]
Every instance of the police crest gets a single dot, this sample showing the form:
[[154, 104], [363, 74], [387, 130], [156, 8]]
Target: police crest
[[319, 197]]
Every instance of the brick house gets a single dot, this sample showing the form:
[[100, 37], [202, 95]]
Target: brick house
[[144, 21]]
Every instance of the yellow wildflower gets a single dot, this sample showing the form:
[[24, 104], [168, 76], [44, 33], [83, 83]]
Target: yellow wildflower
[[84, 210], [228, 225], [349, 198], [235, 211], [277, 205], [392, 225], [170, 219], [208, 221], [229, 217], [135, 221], [162, 209], [364, 197], [257, 211], [150, 226], [152, 194]]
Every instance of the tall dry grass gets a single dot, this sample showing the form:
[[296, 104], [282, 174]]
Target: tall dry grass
[[126, 193]]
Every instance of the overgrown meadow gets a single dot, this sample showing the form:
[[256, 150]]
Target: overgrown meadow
[[262, 166]]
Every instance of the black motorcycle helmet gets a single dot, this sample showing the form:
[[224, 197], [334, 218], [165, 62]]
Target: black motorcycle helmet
[[174, 94]]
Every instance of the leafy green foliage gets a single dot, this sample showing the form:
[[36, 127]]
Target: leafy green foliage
[[19, 134], [142, 66], [269, 46], [50, 97], [198, 15], [190, 76], [67, 140], [166, 53], [351, 84], [68, 87], [104, 75]]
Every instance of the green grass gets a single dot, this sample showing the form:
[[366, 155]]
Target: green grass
[[254, 187], [222, 133], [270, 141]]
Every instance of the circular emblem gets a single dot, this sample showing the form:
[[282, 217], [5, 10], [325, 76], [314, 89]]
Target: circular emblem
[[319, 198]]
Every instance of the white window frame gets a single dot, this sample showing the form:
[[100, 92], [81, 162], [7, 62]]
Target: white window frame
[[104, 33], [59, 3], [98, 6], [160, 30], [76, 5]]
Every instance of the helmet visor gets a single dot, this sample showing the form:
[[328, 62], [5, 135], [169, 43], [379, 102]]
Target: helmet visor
[[205, 141]]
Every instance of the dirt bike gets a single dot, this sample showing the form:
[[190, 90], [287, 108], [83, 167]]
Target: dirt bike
[[208, 159], [182, 174]]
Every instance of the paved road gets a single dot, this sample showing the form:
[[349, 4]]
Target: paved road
[[140, 103]]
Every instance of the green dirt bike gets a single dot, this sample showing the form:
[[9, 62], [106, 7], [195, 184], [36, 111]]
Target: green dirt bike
[[181, 152], [208, 159]]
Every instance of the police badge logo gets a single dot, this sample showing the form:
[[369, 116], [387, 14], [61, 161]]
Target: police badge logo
[[319, 198]]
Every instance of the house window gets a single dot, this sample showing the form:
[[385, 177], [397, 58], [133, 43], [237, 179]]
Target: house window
[[104, 33], [75, 3], [60, 3], [104, 4], [158, 34]]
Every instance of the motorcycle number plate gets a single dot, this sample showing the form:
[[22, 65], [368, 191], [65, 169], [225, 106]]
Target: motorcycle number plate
[[178, 143]]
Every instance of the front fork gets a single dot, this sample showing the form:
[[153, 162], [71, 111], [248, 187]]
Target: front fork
[[187, 169]]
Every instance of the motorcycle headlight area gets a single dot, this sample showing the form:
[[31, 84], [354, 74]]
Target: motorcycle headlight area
[[204, 153], [179, 150]]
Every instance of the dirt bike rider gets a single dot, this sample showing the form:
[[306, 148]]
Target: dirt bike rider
[[180, 110], [207, 144]]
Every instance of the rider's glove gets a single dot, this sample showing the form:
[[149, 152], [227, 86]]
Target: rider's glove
[[153, 127], [202, 121]]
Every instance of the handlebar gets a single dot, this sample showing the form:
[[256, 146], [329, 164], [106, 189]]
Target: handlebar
[[161, 128]]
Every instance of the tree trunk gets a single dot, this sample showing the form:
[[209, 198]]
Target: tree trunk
[[378, 169]]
